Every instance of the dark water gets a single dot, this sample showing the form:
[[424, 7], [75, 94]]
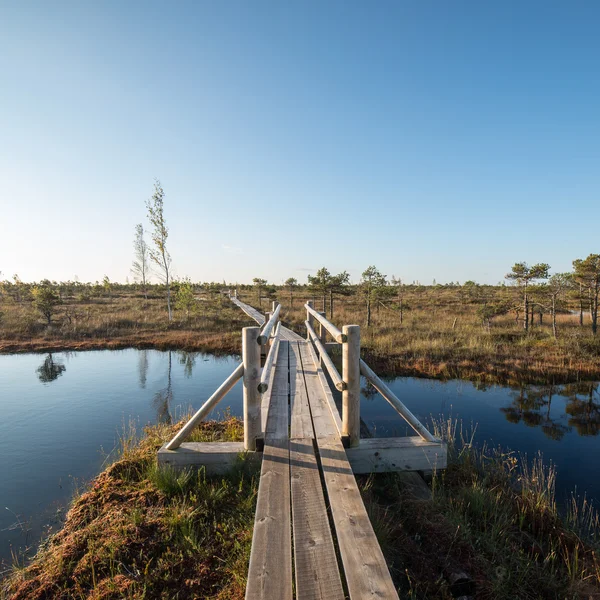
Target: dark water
[[62, 414], [561, 422]]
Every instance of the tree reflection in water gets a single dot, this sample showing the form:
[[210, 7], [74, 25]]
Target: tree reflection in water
[[50, 370], [527, 405], [583, 406], [143, 367], [163, 398], [188, 360]]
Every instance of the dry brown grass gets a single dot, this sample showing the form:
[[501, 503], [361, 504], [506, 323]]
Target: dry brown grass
[[122, 320], [441, 336]]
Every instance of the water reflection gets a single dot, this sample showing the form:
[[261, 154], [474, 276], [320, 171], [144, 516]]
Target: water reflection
[[163, 398], [188, 360], [583, 407], [532, 406], [50, 370], [143, 368]]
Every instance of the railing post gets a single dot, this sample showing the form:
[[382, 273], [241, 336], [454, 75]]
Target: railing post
[[310, 319], [274, 306], [351, 377], [251, 360]]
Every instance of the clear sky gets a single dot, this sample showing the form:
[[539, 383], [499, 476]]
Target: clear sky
[[442, 140]]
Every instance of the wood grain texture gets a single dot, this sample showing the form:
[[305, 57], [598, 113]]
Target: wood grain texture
[[277, 425], [365, 568], [270, 570], [326, 390], [380, 455], [216, 457], [316, 568], [301, 421], [323, 423]]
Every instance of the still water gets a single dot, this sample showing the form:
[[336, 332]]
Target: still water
[[62, 414]]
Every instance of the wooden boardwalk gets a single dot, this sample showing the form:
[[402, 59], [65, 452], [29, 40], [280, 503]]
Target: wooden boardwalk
[[313, 538]]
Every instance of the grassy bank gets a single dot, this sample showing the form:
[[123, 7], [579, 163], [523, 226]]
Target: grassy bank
[[140, 532]]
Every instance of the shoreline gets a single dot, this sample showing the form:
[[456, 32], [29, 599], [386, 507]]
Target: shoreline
[[388, 366]]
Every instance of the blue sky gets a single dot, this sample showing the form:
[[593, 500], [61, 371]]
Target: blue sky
[[442, 140]]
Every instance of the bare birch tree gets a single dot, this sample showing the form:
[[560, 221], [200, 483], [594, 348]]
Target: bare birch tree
[[159, 254]]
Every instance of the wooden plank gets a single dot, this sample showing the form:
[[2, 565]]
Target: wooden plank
[[251, 312], [365, 568], [379, 455], [286, 334], [266, 396], [277, 425], [316, 568], [326, 391], [323, 423], [270, 570], [216, 457], [301, 422]]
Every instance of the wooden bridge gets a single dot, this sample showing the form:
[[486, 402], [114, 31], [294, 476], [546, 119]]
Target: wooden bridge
[[312, 535]]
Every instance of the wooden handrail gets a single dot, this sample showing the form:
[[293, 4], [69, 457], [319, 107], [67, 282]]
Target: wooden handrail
[[263, 338], [265, 375], [186, 430], [333, 372], [385, 391], [337, 335]]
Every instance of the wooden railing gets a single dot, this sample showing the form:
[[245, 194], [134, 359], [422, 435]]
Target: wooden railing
[[349, 381], [256, 341], [263, 342]]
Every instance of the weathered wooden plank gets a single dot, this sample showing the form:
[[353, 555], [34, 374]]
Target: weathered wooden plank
[[266, 396], [286, 334], [270, 570], [277, 426], [301, 422], [251, 312], [379, 455], [316, 568], [327, 395], [365, 568], [216, 457], [323, 423]]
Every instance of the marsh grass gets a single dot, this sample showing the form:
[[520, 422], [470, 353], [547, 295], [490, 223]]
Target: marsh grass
[[140, 531], [441, 336], [121, 320], [493, 516]]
